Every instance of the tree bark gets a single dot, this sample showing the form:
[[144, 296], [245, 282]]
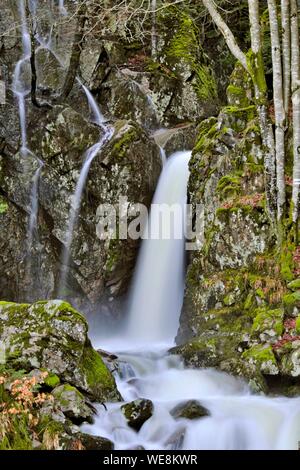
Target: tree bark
[[295, 67], [76, 52], [260, 87], [278, 107], [226, 32], [286, 53]]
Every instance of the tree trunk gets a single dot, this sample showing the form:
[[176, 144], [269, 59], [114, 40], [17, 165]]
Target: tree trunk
[[76, 52], [228, 36], [278, 107], [261, 96], [286, 53], [295, 62]]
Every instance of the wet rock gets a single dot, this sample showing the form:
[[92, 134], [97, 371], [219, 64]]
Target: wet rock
[[137, 412], [73, 404], [191, 409], [90, 442]]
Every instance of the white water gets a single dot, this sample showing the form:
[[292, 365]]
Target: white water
[[34, 207], [238, 420], [157, 294], [21, 84], [90, 154], [62, 9]]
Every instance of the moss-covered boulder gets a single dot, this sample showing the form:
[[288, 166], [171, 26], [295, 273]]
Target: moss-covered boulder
[[53, 336]]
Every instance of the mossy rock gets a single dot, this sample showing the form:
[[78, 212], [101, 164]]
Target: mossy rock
[[137, 412], [262, 356], [268, 322], [51, 335], [72, 403], [291, 303]]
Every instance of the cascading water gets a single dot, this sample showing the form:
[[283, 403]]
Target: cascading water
[[90, 154], [62, 9], [21, 88], [157, 294], [21, 84], [237, 419]]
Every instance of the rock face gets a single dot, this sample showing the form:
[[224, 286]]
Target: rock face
[[138, 92], [53, 336], [137, 412], [241, 305]]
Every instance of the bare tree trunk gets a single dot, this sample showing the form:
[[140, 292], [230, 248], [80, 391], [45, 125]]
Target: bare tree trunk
[[286, 53], [228, 36], [296, 109], [255, 67], [278, 106], [260, 86], [76, 52]]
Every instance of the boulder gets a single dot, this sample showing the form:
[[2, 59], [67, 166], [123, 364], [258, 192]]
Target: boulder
[[137, 412], [190, 409], [53, 336]]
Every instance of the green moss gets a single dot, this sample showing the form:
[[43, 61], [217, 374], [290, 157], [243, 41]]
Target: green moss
[[298, 324], [266, 319], [260, 354], [286, 259], [256, 66], [98, 376], [229, 185], [52, 380], [294, 285], [121, 146], [3, 206], [185, 45], [291, 299], [247, 112], [237, 93]]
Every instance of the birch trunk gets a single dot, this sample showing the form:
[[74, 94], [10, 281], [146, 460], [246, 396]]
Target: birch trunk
[[296, 108], [228, 36], [286, 53], [278, 107], [260, 87]]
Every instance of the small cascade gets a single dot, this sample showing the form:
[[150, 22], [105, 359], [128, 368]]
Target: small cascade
[[90, 154], [21, 88], [236, 419], [97, 116], [34, 207], [156, 299], [62, 9], [21, 84]]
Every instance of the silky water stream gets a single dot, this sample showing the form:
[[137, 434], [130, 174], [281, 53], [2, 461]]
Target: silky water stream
[[238, 419]]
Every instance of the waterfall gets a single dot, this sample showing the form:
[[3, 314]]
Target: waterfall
[[61, 6], [158, 286], [90, 154], [19, 86]]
